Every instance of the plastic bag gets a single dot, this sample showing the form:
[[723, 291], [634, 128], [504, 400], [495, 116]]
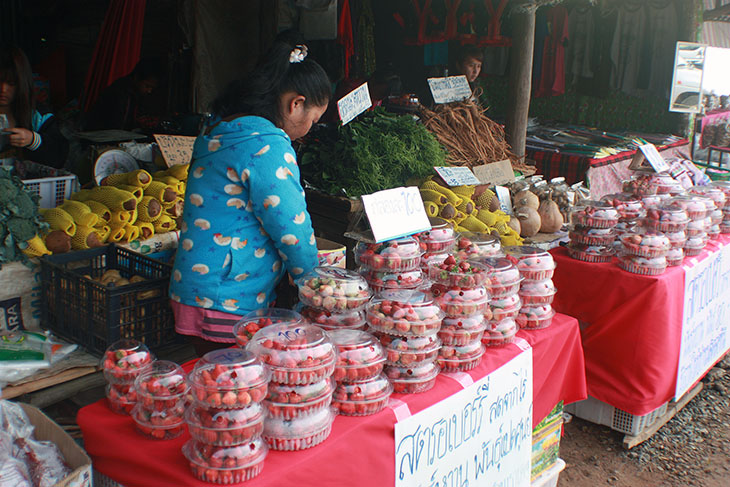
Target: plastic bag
[[44, 461], [23, 353]]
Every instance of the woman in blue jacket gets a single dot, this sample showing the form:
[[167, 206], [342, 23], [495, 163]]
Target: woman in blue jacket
[[245, 223], [34, 136]]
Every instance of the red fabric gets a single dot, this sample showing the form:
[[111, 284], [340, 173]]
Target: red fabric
[[117, 47], [344, 35], [631, 328], [552, 78], [574, 167], [359, 451]]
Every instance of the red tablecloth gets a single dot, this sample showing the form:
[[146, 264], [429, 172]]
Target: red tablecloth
[[631, 328], [359, 451]]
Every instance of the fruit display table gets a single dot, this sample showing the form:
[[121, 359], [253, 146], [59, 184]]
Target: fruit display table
[[360, 450], [631, 326]]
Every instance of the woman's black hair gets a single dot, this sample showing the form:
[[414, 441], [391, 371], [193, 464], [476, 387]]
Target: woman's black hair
[[15, 69], [259, 93], [467, 52]]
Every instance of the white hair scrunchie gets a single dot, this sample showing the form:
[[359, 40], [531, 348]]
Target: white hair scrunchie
[[298, 54]]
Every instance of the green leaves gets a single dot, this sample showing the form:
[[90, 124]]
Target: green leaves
[[19, 218]]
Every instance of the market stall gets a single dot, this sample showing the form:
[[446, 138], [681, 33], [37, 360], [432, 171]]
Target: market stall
[[356, 444]]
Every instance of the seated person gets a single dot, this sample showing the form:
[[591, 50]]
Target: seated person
[[468, 62], [118, 105], [31, 135]]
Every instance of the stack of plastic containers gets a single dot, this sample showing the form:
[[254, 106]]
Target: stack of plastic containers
[[251, 323], [719, 201], [162, 395], [672, 222], [724, 186], [592, 232], [656, 186], [536, 267], [122, 363], [477, 245], [437, 243], [395, 264], [630, 209], [333, 298], [226, 417], [698, 210], [503, 285], [407, 323], [644, 251], [302, 360], [362, 389], [464, 300]]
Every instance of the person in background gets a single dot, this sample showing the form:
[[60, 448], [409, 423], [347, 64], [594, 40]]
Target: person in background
[[468, 62], [118, 104], [32, 136], [245, 223]]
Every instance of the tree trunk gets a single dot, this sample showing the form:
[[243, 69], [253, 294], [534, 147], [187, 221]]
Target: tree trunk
[[520, 79]]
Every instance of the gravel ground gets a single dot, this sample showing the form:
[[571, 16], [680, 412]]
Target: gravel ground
[[691, 449]]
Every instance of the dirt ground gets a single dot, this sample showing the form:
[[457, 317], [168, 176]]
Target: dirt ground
[[693, 448]]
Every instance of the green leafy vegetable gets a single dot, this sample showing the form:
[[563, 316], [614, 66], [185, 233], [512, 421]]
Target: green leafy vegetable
[[19, 218], [379, 150]]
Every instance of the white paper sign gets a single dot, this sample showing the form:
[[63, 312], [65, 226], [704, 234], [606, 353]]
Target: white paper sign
[[481, 436], [655, 159], [395, 213], [505, 200], [706, 318], [354, 103], [449, 89], [457, 175]]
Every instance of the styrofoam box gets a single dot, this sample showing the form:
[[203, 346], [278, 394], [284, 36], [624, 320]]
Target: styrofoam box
[[549, 478], [617, 419]]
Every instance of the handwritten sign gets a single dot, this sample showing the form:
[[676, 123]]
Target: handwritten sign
[[449, 89], [176, 149], [396, 212], [479, 436], [354, 103], [456, 176], [705, 318], [495, 172], [505, 199], [649, 153]]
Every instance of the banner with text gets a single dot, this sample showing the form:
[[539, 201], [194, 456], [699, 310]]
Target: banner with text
[[706, 318], [479, 436], [396, 212]]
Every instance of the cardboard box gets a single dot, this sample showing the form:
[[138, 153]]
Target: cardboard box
[[76, 458], [330, 253]]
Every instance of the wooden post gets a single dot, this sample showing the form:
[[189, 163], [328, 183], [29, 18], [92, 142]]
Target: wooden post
[[520, 78]]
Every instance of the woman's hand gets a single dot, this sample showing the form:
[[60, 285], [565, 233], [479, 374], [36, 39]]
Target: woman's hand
[[20, 137]]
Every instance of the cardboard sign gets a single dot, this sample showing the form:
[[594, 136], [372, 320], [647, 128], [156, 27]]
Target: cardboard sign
[[649, 153], [481, 435], [449, 89], [396, 212], [456, 176], [499, 172], [175, 149], [705, 318], [354, 103]]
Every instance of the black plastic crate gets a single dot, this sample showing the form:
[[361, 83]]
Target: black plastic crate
[[95, 315]]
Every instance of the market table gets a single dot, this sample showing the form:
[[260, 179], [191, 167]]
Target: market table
[[631, 327], [360, 450]]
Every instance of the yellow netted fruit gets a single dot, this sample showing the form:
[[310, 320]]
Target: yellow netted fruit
[[116, 234], [149, 209], [58, 219], [80, 212], [434, 196], [175, 210], [36, 247], [487, 217], [431, 208], [179, 171], [137, 191], [146, 230], [140, 177], [131, 232], [164, 193], [467, 207], [164, 224], [100, 210], [484, 199], [464, 191], [453, 198], [119, 218], [175, 183], [132, 217], [103, 231], [114, 198], [81, 195], [86, 238], [472, 224]]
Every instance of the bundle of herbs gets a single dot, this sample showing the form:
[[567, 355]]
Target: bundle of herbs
[[19, 218], [379, 150]]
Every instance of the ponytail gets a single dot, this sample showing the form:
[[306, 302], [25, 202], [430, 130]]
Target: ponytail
[[284, 69]]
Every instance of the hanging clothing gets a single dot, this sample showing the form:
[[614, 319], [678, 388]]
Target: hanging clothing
[[578, 52], [662, 37], [552, 77], [626, 49], [345, 36]]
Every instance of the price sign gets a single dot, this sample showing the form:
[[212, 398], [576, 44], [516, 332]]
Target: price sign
[[449, 89], [354, 103], [175, 149], [396, 212], [649, 153], [457, 176], [495, 172]]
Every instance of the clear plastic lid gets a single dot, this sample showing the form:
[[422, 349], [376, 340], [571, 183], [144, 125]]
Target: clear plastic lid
[[471, 245], [432, 257], [397, 254], [694, 205], [627, 205], [506, 303], [500, 271], [239, 457], [224, 419], [714, 193], [420, 373], [468, 351], [541, 312], [592, 250], [696, 242], [538, 288], [357, 348], [472, 323], [333, 288], [675, 238], [409, 304], [160, 418], [299, 396], [645, 239], [329, 320], [651, 264], [366, 391], [299, 427], [458, 272], [716, 216], [125, 359], [504, 326], [441, 232], [229, 369], [463, 302], [293, 347], [667, 213], [597, 232], [701, 225], [653, 199], [409, 344], [594, 214], [393, 280], [675, 253], [162, 380], [252, 322], [530, 258]]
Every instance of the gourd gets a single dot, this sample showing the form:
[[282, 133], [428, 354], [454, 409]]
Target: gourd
[[529, 221], [514, 223], [550, 217], [526, 198]]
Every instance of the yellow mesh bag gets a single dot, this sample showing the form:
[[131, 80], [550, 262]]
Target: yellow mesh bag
[[81, 213], [99, 210], [58, 219], [82, 239], [146, 230], [119, 218], [175, 183], [164, 193], [116, 234], [81, 195], [473, 224], [179, 171], [114, 198], [140, 178], [131, 232], [164, 224], [147, 206], [36, 247], [103, 231], [137, 191]]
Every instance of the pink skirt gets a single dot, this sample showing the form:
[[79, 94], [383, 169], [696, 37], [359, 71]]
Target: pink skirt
[[208, 324]]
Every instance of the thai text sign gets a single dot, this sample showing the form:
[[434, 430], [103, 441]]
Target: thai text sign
[[705, 319], [354, 103], [449, 89], [396, 212], [481, 436]]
